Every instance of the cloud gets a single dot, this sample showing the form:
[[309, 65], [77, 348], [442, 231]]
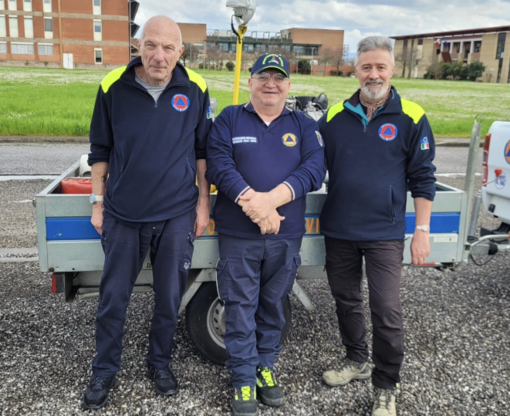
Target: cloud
[[357, 19]]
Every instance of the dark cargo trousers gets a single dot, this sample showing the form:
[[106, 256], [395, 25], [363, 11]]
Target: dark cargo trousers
[[125, 247], [383, 262], [254, 276]]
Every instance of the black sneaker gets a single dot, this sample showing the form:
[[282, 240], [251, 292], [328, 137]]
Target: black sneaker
[[245, 402], [269, 392], [166, 383], [96, 395]]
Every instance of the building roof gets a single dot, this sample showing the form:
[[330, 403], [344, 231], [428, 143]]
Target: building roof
[[454, 33]]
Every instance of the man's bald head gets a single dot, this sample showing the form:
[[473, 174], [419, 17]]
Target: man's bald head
[[157, 22]]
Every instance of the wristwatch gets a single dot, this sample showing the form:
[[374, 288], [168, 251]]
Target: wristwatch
[[424, 228], [93, 198]]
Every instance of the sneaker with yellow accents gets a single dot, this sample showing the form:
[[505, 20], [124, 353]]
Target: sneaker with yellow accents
[[245, 402], [269, 392]]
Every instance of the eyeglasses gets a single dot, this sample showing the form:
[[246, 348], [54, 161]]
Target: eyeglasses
[[265, 77]]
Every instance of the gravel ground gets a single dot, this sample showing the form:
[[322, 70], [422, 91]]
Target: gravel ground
[[457, 343]]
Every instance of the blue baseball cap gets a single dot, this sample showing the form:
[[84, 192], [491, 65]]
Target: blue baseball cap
[[271, 60]]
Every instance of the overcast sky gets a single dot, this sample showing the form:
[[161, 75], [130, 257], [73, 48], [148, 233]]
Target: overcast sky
[[357, 19]]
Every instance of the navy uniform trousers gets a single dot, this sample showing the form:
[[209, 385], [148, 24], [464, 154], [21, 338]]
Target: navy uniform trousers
[[254, 276], [383, 260], [125, 247]]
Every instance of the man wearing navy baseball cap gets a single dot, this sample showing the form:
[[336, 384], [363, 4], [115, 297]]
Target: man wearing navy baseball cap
[[264, 159]]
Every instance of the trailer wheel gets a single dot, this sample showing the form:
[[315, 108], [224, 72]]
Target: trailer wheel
[[205, 323]]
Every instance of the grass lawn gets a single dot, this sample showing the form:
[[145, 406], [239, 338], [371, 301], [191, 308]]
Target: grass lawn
[[36, 101]]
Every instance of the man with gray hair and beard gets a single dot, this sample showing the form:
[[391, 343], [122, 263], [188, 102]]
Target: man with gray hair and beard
[[378, 145]]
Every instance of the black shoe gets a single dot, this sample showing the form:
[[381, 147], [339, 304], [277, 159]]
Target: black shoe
[[245, 402], [268, 391], [96, 395], [166, 383]]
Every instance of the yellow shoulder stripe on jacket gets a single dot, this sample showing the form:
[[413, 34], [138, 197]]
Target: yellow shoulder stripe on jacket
[[113, 76], [197, 79], [413, 110], [333, 111]]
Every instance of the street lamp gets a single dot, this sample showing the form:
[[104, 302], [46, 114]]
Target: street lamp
[[243, 12]]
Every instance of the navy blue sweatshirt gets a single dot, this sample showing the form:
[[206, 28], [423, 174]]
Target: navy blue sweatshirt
[[243, 153], [151, 147], [371, 165]]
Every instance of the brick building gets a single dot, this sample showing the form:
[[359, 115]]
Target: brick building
[[67, 33], [414, 54], [303, 43]]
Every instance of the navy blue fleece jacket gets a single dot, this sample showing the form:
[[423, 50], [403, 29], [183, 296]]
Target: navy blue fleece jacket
[[243, 152], [151, 147], [371, 166]]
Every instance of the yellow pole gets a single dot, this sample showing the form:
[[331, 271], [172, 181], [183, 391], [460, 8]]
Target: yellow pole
[[239, 53]]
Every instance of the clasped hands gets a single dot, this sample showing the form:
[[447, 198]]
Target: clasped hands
[[261, 208]]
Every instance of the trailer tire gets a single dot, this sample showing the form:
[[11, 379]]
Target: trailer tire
[[205, 323]]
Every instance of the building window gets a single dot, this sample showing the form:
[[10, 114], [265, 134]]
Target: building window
[[305, 50], [48, 28], [3, 47], [501, 45], [27, 5], [45, 49], [1, 4], [98, 56], [98, 30], [3, 29], [29, 27], [47, 6], [248, 47], [22, 48], [420, 41], [13, 27], [478, 46], [223, 47], [12, 5]]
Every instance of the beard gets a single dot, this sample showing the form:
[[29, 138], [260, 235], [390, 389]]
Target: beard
[[374, 93]]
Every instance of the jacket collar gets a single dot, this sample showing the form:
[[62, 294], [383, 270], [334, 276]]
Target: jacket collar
[[394, 106]]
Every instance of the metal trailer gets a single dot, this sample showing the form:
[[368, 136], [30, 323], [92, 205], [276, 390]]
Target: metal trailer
[[70, 249]]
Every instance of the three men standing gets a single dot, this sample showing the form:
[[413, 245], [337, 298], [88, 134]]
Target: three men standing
[[264, 159], [378, 145], [148, 135]]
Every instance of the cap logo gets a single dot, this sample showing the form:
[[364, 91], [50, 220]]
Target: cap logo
[[274, 60]]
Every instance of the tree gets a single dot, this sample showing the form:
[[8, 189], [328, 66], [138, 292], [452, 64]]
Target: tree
[[304, 66], [230, 65], [434, 71], [325, 57], [213, 56], [408, 58], [475, 70], [190, 53], [337, 59]]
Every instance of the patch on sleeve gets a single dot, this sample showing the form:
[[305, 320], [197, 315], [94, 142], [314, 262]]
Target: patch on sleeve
[[319, 138], [244, 139], [425, 143], [209, 114]]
